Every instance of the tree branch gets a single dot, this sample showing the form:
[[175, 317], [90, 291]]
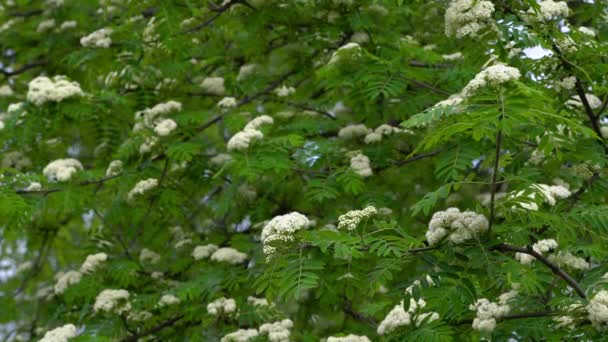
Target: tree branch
[[247, 99], [496, 165], [153, 330], [23, 69], [554, 268], [417, 157], [83, 183], [418, 64]]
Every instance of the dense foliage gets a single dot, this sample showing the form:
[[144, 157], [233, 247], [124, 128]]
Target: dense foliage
[[302, 170]]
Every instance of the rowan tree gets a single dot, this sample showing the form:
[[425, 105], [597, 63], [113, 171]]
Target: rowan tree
[[327, 170]]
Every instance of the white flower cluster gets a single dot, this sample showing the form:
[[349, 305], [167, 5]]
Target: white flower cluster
[[487, 313], [152, 118], [165, 127], [221, 306], [139, 316], [245, 71], [257, 122], [586, 30], [109, 300], [167, 300], [570, 260], [468, 17], [100, 39], [550, 9], [203, 252], [380, 132], [93, 262], [278, 331], [567, 321], [567, 83], [67, 25], [114, 169], [214, 86], [359, 163], [147, 256], [257, 301], [227, 102], [64, 280], [45, 25], [142, 187], [452, 56], [541, 246], [594, 101], [360, 37], [461, 226], [598, 310], [62, 169], [351, 219], [15, 160], [349, 338], [349, 48], [221, 159], [491, 76], [398, 317], [284, 91], [229, 255], [548, 193], [353, 131], [6, 91], [241, 140], [61, 334], [241, 335], [43, 89], [279, 231]]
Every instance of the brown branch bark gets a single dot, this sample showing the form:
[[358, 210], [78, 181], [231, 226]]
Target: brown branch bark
[[554, 268], [23, 69], [153, 330]]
